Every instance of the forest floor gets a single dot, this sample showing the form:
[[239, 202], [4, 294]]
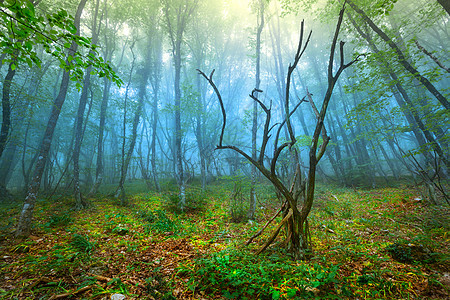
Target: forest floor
[[382, 243]]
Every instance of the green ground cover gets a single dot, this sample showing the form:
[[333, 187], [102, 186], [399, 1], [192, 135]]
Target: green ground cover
[[368, 244]]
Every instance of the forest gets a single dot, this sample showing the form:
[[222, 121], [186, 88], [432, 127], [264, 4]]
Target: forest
[[234, 149]]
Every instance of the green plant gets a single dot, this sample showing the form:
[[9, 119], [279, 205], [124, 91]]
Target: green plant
[[236, 275], [147, 216], [347, 212], [120, 230], [158, 287], [59, 220], [400, 252], [82, 244], [195, 201], [114, 221], [161, 223], [119, 285], [238, 207], [409, 253]]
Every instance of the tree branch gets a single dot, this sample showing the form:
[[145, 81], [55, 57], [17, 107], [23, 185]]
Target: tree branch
[[291, 68], [276, 232], [430, 55], [222, 107]]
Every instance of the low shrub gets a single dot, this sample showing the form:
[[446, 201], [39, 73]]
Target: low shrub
[[59, 220], [195, 201], [82, 244], [237, 275], [160, 222]]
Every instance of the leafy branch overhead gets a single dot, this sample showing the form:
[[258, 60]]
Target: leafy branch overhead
[[23, 33]]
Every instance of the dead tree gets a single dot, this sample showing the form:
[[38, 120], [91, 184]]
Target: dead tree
[[299, 194]]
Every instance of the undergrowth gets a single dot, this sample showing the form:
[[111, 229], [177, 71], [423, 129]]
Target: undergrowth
[[368, 244]]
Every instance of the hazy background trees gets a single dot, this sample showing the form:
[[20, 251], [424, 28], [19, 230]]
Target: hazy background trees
[[388, 116]]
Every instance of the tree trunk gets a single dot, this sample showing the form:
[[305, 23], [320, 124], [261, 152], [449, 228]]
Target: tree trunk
[[445, 5], [6, 107], [252, 208], [125, 158], [178, 132], [99, 171], [155, 80], [142, 165], [176, 21], [24, 224], [153, 143], [7, 163], [407, 105], [81, 203]]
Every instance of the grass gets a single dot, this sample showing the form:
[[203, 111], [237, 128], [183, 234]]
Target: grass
[[368, 244]]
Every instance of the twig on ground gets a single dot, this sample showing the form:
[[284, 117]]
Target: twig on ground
[[406, 223], [83, 289]]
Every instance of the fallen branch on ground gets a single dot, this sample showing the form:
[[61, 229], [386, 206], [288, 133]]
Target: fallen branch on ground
[[83, 289]]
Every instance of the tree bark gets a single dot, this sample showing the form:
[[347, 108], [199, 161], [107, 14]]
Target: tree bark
[[120, 192], [153, 142], [155, 81], [81, 203], [24, 224], [445, 5], [6, 107], [252, 208], [99, 171], [176, 30]]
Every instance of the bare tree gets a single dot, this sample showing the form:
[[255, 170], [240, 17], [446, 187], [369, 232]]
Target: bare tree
[[295, 217]]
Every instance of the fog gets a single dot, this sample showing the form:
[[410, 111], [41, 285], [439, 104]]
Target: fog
[[162, 117]]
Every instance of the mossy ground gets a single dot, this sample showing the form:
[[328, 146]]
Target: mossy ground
[[145, 250]]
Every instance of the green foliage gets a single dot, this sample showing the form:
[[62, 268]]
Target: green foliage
[[347, 212], [196, 201], [399, 252], [146, 216], [409, 253], [23, 31], [21, 249], [118, 285], [351, 262], [82, 244], [59, 220], [238, 207], [374, 279], [120, 230], [160, 222], [112, 221], [237, 275], [238, 202]]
